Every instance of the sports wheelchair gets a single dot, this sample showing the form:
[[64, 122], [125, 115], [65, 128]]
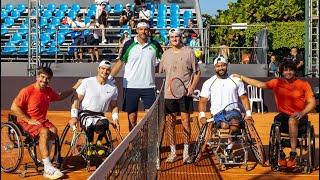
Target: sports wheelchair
[[75, 144], [13, 141], [279, 139], [247, 139]]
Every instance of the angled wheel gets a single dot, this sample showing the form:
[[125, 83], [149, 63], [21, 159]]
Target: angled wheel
[[255, 142], [311, 148], [199, 143], [273, 149], [11, 147]]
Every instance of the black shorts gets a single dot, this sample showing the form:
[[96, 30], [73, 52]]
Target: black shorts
[[284, 127], [185, 104], [132, 96]]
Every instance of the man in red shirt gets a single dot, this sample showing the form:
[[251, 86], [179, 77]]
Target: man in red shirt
[[294, 99], [31, 107]]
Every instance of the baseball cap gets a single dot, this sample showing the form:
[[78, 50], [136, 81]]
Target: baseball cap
[[105, 63], [174, 31], [220, 59], [128, 5]]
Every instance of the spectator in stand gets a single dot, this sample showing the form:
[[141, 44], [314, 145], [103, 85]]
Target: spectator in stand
[[195, 44], [124, 38], [126, 17], [273, 66], [224, 50], [102, 16], [77, 36], [297, 59], [145, 13], [93, 38], [194, 40], [186, 36], [137, 4], [159, 38]]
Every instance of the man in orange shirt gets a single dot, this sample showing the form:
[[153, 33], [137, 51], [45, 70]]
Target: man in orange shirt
[[31, 107], [294, 99]]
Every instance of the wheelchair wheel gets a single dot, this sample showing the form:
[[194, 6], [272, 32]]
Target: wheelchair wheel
[[273, 149], [311, 149], [12, 147], [255, 143], [109, 141], [199, 143]]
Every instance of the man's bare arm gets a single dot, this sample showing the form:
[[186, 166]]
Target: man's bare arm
[[116, 68], [16, 110], [251, 81]]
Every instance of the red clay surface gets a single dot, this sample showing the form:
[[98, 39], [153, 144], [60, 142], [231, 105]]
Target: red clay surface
[[204, 170]]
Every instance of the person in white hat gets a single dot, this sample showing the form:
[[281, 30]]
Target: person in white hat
[[92, 100], [223, 89], [127, 17]]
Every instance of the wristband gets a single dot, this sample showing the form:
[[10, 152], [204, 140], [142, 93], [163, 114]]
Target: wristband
[[202, 114], [241, 77], [115, 116], [110, 77], [248, 113], [74, 113]]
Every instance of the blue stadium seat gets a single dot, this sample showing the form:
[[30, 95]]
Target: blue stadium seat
[[64, 29], [4, 14], [187, 14], [9, 21], [23, 49], [60, 14], [15, 14], [43, 22], [63, 7], [150, 7], [61, 38], [162, 14], [44, 39], [86, 32], [43, 49], [51, 29], [86, 19], [52, 50], [42, 8], [9, 48], [174, 22], [72, 14], [51, 7], [90, 13], [174, 9], [23, 29], [9, 7], [4, 29], [16, 38], [47, 14], [93, 7], [21, 8], [55, 21], [108, 8], [162, 7], [118, 8], [76, 7], [151, 18], [161, 23]]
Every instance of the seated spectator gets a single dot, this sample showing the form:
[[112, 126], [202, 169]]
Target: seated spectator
[[186, 34], [273, 66], [124, 38], [137, 4], [93, 38], [102, 16], [77, 36], [145, 14], [126, 17]]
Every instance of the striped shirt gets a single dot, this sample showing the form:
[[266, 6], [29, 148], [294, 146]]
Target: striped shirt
[[140, 62]]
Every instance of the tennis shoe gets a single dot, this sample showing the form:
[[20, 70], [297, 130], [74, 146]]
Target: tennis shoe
[[172, 157], [292, 160], [52, 173]]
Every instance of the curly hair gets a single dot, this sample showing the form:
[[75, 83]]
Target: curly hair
[[287, 64]]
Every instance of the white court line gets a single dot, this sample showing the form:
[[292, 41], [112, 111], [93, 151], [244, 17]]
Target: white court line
[[245, 174]]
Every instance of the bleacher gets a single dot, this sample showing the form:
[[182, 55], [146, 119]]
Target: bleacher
[[55, 38]]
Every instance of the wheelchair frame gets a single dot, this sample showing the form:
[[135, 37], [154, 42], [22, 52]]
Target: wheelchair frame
[[16, 131], [305, 142]]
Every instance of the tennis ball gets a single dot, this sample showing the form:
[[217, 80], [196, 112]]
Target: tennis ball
[[89, 153], [99, 143], [197, 53], [93, 152], [101, 152]]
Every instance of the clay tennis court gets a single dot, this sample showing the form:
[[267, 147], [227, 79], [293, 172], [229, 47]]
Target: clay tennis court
[[205, 168]]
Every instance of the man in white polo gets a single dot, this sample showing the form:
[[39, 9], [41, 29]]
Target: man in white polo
[[93, 98], [139, 55]]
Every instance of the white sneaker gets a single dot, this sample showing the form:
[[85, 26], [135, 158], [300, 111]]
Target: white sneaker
[[171, 158], [186, 157], [52, 173]]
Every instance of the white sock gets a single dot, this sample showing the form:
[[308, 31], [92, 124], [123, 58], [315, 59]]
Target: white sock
[[231, 143], [73, 127], [186, 147], [46, 162], [173, 148]]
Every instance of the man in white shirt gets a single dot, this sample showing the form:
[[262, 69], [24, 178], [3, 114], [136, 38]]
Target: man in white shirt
[[144, 13], [221, 90], [77, 36], [93, 98]]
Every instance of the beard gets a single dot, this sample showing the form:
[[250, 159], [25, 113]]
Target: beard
[[221, 72]]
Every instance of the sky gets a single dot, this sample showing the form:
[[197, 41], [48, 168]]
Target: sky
[[211, 6]]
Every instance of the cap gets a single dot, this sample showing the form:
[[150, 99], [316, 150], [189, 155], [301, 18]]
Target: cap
[[174, 31], [128, 4], [220, 59], [194, 35], [143, 24], [105, 63], [103, 3]]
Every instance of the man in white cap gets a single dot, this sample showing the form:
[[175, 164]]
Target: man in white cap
[[127, 16], [221, 90], [179, 61], [92, 100], [139, 55]]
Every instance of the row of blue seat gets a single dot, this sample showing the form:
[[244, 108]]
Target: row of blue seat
[[11, 48]]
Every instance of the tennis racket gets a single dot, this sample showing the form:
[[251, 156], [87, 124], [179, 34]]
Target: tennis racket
[[178, 89]]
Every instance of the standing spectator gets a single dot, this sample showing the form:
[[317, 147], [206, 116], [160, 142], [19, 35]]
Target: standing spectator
[[144, 13], [195, 44], [273, 66], [186, 35], [297, 59], [93, 38], [102, 16], [126, 17], [137, 4], [179, 61], [139, 56], [77, 36], [124, 38], [224, 50], [31, 107]]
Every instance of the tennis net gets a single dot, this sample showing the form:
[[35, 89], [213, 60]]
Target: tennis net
[[137, 156]]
